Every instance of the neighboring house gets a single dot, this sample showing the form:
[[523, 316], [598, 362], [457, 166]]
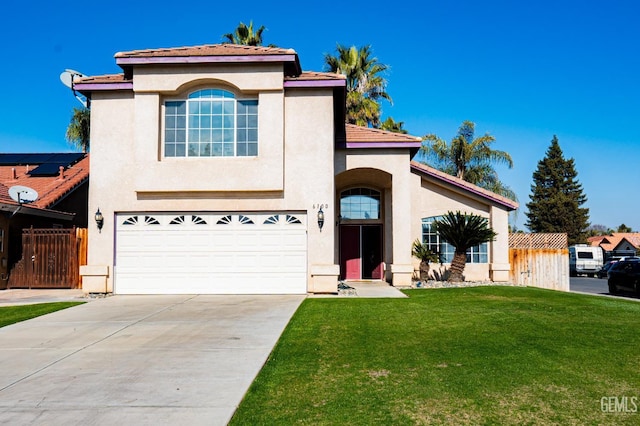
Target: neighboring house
[[617, 244], [61, 181], [227, 169]]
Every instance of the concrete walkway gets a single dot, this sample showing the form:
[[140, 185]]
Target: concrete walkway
[[138, 360], [375, 289], [31, 296]]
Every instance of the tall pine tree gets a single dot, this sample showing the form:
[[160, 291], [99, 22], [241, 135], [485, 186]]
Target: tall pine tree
[[557, 198]]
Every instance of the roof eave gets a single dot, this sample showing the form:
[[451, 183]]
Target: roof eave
[[68, 192], [381, 145], [101, 87], [150, 60], [454, 182], [32, 211], [315, 83]]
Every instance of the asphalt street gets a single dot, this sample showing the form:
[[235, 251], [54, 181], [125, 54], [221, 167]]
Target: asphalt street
[[594, 286]]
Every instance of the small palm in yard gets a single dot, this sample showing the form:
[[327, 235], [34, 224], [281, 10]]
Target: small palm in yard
[[463, 231], [422, 252]]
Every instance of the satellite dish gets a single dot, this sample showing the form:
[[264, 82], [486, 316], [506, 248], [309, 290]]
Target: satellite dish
[[74, 72], [23, 194], [67, 77]]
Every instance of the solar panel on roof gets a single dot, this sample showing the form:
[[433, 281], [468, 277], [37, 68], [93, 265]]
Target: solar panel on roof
[[39, 158], [60, 158], [46, 169], [67, 158], [21, 159], [10, 159]]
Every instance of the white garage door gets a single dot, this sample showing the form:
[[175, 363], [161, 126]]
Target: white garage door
[[196, 253]]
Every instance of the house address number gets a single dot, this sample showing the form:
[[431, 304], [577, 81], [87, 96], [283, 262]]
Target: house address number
[[321, 206]]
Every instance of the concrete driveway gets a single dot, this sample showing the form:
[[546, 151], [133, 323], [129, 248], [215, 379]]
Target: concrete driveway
[[139, 360]]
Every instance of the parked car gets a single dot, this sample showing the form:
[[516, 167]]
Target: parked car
[[602, 273], [624, 275]]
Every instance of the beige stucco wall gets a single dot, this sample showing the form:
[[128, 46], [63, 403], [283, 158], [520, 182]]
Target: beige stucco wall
[[407, 199], [435, 200], [129, 173], [397, 201], [171, 79], [309, 142], [293, 172]]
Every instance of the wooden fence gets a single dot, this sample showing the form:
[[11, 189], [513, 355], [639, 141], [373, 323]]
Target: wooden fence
[[539, 260], [51, 258]]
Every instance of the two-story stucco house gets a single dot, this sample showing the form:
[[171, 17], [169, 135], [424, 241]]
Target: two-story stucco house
[[227, 169]]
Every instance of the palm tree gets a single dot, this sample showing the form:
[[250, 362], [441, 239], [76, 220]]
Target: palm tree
[[422, 251], [468, 158], [365, 83], [245, 35], [393, 126], [78, 131], [462, 231]]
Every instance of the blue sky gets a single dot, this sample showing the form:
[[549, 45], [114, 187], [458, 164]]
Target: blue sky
[[522, 71]]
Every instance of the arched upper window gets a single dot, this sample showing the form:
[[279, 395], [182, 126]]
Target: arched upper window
[[360, 203], [211, 123]]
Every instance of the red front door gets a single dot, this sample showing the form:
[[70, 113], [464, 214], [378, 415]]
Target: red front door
[[361, 252]]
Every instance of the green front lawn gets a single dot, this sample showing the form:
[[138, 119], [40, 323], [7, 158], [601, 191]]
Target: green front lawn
[[14, 314], [485, 355]]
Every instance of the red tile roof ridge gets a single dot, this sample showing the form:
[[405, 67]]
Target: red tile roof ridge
[[206, 50]]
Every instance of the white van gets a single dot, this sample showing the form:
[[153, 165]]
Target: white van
[[584, 259]]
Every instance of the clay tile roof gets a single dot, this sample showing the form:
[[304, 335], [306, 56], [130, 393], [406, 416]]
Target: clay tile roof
[[50, 189], [365, 137], [596, 240], [610, 242], [4, 195], [454, 181], [103, 79], [206, 50], [313, 75]]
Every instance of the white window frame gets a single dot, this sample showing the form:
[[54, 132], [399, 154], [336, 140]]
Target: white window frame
[[211, 136], [475, 254]]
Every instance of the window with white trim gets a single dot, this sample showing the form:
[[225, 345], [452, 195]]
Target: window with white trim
[[476, 254], [211, 123]]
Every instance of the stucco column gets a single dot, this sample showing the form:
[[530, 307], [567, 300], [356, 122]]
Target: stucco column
[[322, 270], [500, 268], [402, 267]]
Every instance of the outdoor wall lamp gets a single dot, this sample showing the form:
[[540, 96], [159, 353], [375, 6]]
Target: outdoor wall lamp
[[99, 220], [320, 219]]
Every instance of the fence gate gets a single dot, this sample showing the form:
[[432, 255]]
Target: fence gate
[[539, 260], [49, 260]]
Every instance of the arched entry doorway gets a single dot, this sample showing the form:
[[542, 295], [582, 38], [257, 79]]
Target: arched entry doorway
[[361, 234]]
